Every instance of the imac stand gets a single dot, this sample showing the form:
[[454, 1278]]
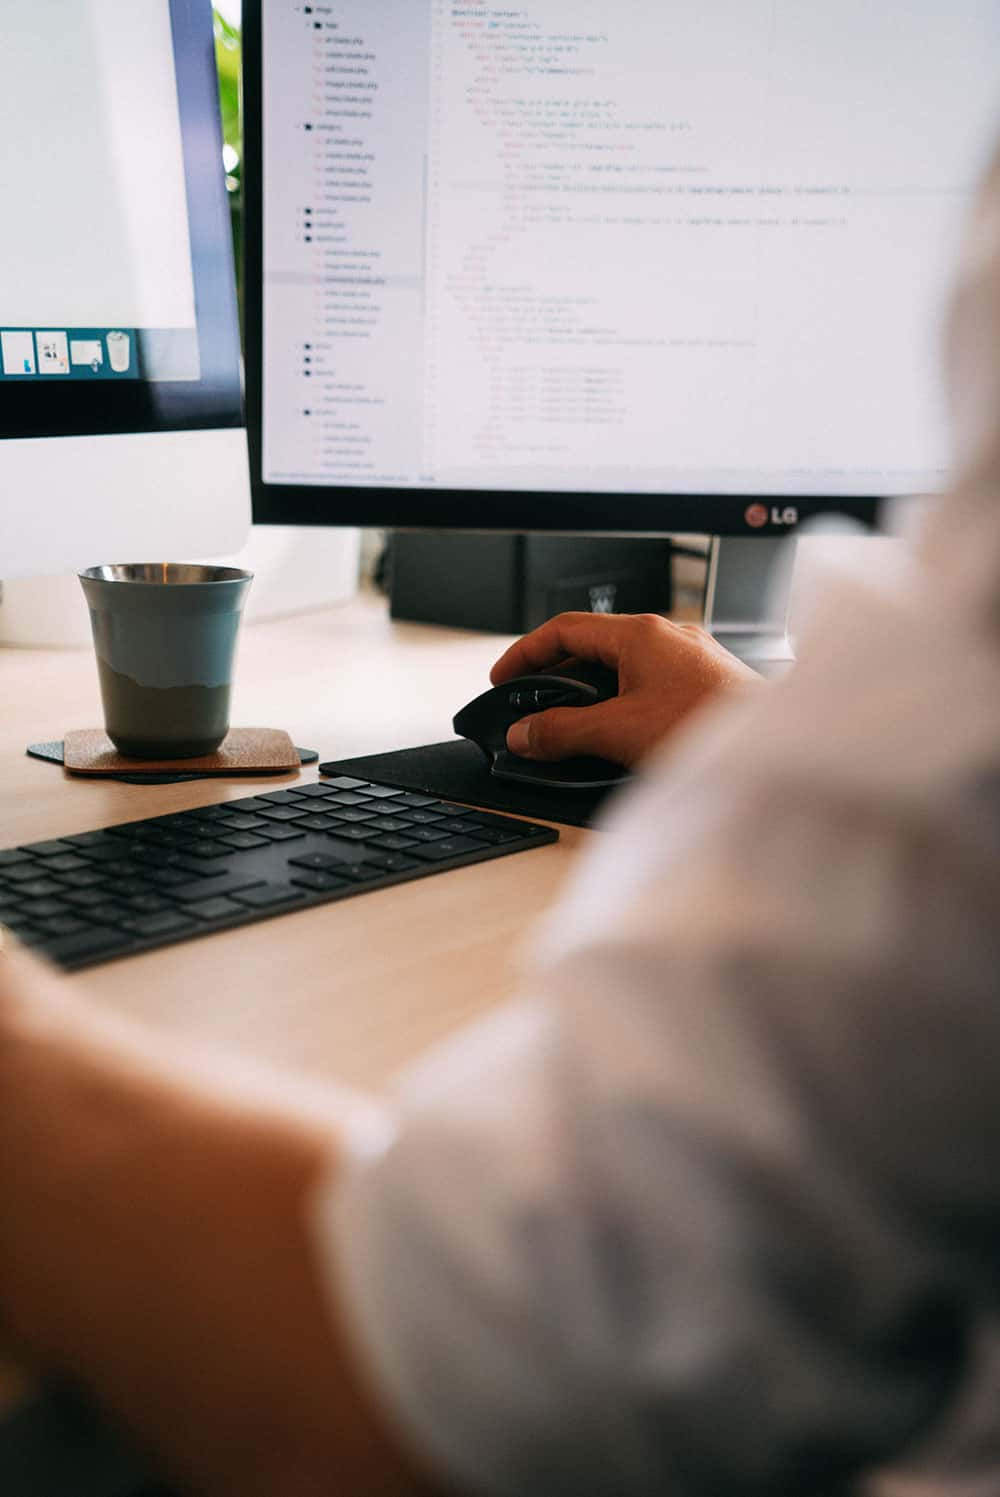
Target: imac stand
[[746, 602]]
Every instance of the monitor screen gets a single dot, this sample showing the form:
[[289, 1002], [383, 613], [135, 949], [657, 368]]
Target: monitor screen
[[581, 265], [121, 420], [114, 261]]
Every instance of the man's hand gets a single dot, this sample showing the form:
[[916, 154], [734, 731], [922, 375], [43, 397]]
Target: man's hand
[[664, 670]]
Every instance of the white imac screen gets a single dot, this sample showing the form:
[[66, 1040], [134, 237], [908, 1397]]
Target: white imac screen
[[96, 278], [696, 247]]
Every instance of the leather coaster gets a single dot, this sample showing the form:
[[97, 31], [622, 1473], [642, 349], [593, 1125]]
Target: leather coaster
[[52, 753], [90, 751]]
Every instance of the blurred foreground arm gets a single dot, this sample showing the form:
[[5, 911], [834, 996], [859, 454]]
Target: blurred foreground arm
[[154, 1246], [15, 1388], [665, 670]]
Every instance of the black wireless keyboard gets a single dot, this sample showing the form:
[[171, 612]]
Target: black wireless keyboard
[[129, 888]]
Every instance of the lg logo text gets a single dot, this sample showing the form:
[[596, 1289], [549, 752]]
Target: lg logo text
[[757, 515]]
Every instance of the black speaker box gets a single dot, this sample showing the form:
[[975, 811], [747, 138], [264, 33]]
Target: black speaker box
[[513, 583]]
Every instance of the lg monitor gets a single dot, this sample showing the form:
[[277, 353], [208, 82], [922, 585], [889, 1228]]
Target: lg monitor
[[120, 403], [591, 267]]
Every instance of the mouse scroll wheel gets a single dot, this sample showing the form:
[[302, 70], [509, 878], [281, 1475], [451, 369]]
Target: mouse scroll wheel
[[537, 698]]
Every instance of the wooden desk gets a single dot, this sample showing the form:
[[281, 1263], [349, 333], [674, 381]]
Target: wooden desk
[[351, 990]]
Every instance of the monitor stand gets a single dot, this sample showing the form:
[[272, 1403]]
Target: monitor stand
[[746, 602]]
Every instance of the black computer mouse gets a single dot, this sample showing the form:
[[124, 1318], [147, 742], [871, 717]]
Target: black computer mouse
[[486, 719]]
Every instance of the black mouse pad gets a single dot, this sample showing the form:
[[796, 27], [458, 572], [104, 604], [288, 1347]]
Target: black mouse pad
[[458, 771], [54, 753]]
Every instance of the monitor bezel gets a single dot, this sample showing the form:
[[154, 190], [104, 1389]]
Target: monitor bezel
[[553, 512], [37, 408]]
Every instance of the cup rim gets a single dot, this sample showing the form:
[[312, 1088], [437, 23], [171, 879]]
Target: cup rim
[[205, 575]]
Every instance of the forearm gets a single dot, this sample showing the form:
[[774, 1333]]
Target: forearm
[[15, 1388], [153, 1246]]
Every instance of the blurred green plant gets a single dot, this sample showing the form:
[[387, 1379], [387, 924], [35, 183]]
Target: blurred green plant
[[228, 52]]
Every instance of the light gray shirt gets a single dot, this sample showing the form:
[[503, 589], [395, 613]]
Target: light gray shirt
[[715, 1206]]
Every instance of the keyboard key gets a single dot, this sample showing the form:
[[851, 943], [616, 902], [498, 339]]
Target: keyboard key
[[281, 797], [426, 833], [282, 813], [239, 824], [282, 833], [34, 938], [160, 837], [109, 851], [394, 843], [453, 810], [85, 944], [41, 909], [206, 848], [421, 818], [147, 904], [453, 824], [228, 883], [12, 856], [69, 862], [341, 781], [113, 912], [346, 833], [250, 805], [48, 849], [36, 888], [134, 831], [388, 824], [418, 802], [502, 832], [388, 862], [20, 873], [501, 824], [85, 839], [317, 823], [243, 841], [83, 899], [167, 878], [320, 883], [383, 792], [87, 878], [316, 861], [124, 870], [124, 889], [265, 895], [351, 814], [495, 836], [191, 867], [347, 873], [319, 791], [348, 798], [64, 925], [168, 923], [450, 847], [215, 909], [24, 929]]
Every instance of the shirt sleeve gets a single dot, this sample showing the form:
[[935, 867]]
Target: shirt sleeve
[[701, 1214]]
